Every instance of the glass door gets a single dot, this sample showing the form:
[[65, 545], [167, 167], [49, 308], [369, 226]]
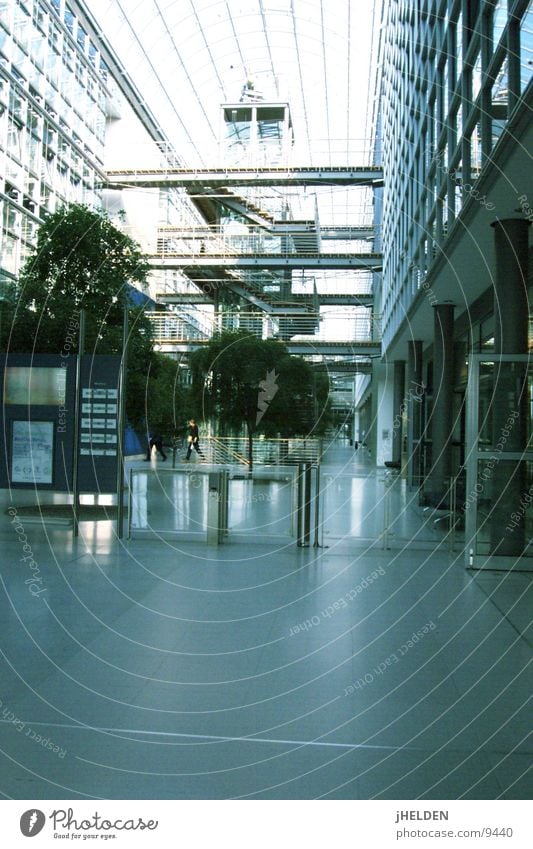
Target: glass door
[[499, 463]]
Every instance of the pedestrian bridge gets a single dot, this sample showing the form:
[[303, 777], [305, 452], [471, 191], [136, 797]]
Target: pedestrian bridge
[[197, 178], [304, 333], [283, 261]]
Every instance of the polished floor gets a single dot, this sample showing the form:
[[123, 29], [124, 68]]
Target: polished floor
[[157, 667]]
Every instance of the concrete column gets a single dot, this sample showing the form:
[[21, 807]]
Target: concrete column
[[384, 413], [509, 402], [442, 412], [511, 307], [414, 393], [399, 407]]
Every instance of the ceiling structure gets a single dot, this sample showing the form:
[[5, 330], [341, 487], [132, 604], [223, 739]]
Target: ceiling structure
[[188, 57], [185, 59]]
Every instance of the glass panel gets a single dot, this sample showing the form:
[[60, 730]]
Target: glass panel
[[169, 501], [262, 505], [476, 77], [476, 155], [379, 507], [459, 40], [526, 47], [500, 101], [499, 19], [238, 123], [505, 415], [503, 493], [176, 501]]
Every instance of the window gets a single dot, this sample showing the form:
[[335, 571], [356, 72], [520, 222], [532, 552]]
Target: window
[[499, 19], [69, 20], [14, 139], [476, 77], [81, 37], [526, 47]]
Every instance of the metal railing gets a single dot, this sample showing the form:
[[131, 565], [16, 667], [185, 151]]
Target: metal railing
[[171, 327], [254, 241], [324, 152], [327, 326], [233, 450]]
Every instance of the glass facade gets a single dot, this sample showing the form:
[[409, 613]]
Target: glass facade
[[453, 72], [54, 97]]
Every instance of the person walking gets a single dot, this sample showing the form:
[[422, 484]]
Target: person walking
[[194, 440], [155, 440]]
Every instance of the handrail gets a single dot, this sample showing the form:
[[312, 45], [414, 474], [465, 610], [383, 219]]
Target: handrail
[[257, 242], [316, 325], [226, 449]]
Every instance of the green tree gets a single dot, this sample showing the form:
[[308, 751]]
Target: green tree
[[82, 261], [167, 403], [240, 380]]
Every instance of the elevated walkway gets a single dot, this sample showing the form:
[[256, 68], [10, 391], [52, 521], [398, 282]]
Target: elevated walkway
[[191, 178], [315, 347], [331, 336], [296, 300], [306, 347], [307, 229], [228, 260], [343, 366]]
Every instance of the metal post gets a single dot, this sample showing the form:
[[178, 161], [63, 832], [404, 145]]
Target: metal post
[[453, 507], [130, 501], [304, 504], [213, 508], [316, 543], [120, 422], [386, 513], [223, 510], [76, 457], [414, 423]]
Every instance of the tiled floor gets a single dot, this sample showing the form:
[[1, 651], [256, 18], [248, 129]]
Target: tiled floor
[[163, 668]]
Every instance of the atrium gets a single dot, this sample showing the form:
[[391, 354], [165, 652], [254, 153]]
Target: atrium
[[343, 616]]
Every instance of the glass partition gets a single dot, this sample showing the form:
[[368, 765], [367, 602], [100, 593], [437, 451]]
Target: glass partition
[[499, 463], [169, 501], [377, 508], [261, 506]]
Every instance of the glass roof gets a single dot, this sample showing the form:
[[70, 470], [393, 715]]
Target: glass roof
[[187, 57]]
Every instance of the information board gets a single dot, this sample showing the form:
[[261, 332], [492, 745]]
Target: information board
[[98, 442], [32, 452]]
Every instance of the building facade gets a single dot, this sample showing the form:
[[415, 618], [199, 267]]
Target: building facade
[[454, 133], [54, 102], [68, 112]]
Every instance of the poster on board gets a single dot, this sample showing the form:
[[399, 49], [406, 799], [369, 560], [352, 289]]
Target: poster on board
[[32, 452]]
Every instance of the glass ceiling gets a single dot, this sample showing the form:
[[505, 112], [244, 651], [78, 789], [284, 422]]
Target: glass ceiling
[[187, 57]]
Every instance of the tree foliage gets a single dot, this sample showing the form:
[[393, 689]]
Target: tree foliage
[[167, 403], [240, 380], [83, 261]]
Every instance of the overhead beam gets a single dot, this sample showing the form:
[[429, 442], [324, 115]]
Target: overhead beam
[[372, 261], [309, 348], [214, 177], [330, 300], [291, 228]]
